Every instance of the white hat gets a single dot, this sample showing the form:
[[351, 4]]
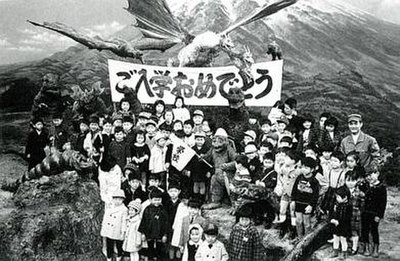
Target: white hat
[[250, 148], [119, 193], [252, 134], [221, 132]]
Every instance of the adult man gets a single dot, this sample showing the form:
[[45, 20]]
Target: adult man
[[358, 141]]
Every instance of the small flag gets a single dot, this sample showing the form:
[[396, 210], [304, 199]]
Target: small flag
[[181, 153]]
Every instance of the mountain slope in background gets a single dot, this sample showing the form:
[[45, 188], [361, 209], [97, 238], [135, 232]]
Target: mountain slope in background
[[337, 58]]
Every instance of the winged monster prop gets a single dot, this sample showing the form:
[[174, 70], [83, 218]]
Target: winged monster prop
[[161, 31]]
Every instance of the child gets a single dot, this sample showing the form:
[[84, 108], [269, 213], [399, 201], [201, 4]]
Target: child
[[211, 248], [198, 170], [335, 179], [325, 158], [38, 141], [140, 154], [151, 130], [273, 138], [374, 210], [157, 162], [180, 111], [168, 118], [194, 217], [198, 117], [154, 225], [341, 218], [93, 134], [60, 133], [195, 235], [268, 178], [142, 119], [265, 128], [331, 136], [119, 148], [265, 147], [255, 166], [177, 125], [306, 132], [305, 195], [245, 243], [285, 142], [172, 206], [113, 227], [124, 109], [282, 123], [132, 185], [188, 129], [290, 172], [110, 178], [355, 181], [106, 137], [248, 136], [133, 238], [127, 125], [158, 110]]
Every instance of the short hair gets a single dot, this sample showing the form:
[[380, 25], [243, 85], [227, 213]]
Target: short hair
[[242, 159], [332, 121], [156, 193], [311, 147], [188, 122], [183, 101], [267, 144], [294, 155], [286, 139], [265, 121], [291, 102], [339, 155], [269, 156], [118, 129], [308, 117], [165, 126], [325, 115], [284, 150], [140, 132]]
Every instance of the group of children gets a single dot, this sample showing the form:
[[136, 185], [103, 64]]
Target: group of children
[[153, 210]]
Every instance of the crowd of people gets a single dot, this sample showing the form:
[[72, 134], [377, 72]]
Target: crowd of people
[[153, 210]]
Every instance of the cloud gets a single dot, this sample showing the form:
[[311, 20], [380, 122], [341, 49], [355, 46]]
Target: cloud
[[26, 48], [44, 38], [4, 41], [103, 30]]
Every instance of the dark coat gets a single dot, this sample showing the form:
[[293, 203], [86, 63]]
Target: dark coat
[[35, 147], [155, 223]]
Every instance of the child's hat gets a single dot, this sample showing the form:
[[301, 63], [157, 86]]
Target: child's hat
[[250, 148], [195, 226], [211, 229], [283, 119], [244, 211], [158, 136], [200, 134], [194, 203], [127, 119], [252, 134], [84, 121], [94, 119], [273, 135], [131, 166], [156, 193], [151, 122], [174, 185], [309, 162], [144, 115], [164, 126], [135, 205], [286, 139], [343, 191], [36, 120], [198, 112], [116, 117], [221, 132], [119, 193], [155, 176]]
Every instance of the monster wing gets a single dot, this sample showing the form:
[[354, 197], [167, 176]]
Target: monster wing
[[155, 20], [260, 13]]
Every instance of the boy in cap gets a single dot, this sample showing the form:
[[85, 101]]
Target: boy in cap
[[38, 140], [248, 136], [154, 225], [142, 119], [305, 195], [198, 117], [171, 206], [197, 169], [211, 249], [114, 224], [188, 129], [132, 185], [157, 162], [245, 243], [151, 131], [254, 163]]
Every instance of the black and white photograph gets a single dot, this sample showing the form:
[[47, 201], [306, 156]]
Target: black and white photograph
[[199, 130]]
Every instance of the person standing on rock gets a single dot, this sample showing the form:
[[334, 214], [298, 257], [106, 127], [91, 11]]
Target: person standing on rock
[[38, 140], [366, 145]]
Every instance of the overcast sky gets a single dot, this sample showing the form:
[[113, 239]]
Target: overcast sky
[[20, 41]]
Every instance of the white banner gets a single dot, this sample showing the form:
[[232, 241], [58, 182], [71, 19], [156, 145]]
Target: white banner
[[207, 86], [181, 153]]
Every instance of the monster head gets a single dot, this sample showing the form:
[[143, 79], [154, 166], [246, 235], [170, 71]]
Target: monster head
[[236, 98]]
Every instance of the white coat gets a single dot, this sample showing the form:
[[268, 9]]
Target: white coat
[[114, 222]]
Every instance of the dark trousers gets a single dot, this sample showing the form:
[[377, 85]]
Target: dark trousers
[[155, 249], [368, 225], [110, 247]]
